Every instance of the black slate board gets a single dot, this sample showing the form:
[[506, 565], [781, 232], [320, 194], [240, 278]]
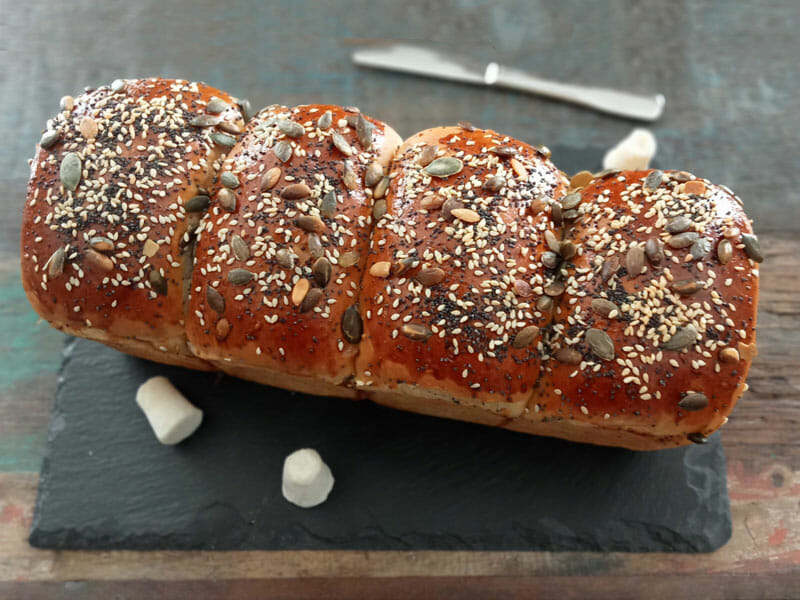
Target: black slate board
[[403, 481]]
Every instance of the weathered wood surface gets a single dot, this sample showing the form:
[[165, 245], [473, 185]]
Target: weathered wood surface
[[730, 76]]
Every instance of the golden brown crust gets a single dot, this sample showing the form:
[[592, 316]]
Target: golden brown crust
[[680, 329], [450, 290], [299, 230], [106, 259]]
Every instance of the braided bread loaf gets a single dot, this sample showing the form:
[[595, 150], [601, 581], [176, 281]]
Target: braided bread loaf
[[457, 274]]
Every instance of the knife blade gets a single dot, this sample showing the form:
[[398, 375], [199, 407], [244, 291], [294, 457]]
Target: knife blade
[[418, 60]]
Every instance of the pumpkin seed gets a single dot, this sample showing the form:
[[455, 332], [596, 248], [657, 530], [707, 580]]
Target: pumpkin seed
[[321, 271], [118, 85], [230, 127], [653, 181], [247, 109], [544, 151], [311, 299], [693, 402], [687, 287], [240, 248], [752, 247], [521, 288], [285, 258], [197, 204], [568, 356], [352, 326], [570, 215], [315, 248], [550, 259], [55, 264], [348, 259], [697, 438], [67, 103], [571, 201], [240, 276], [700, 248], [223, 139], [295, 191], [215, 300], [379, 209], [427, 155], [685, 336], [556, 213], [465, 214], [373, 174], [327, 206], [555, 288], [310, 223], [349, 178], [545, 303], [216, 105], [525, 336], [290, 128], [206, 121], [609, 268], [283, 151], [552, 241], [70, 171], [724, 251], [683, 240], [430, 276], [270, 178], [679, 224], [325, 121], [600, 344], [634, 261], [682, 176], [49, 139], [381, 187], [229, 180], [416, 332], [654, 251], [341, 144], [364, 132], [567, 250], [503, 151], [222, 329], [157, 282], [604, 307], [226, 199], [494, 184], [300, 290], [444, 166], [466, 126]]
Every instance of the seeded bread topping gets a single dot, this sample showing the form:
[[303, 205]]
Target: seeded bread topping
[[116, 188]]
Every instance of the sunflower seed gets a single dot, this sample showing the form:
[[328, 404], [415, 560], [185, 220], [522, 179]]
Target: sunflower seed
[[327, 206], [101, 244], [70, 171], [427, 155], [681, 176], [230, 127], [683, 240], [325, 121], [416, 332], [349, 178], [431, 202], [197, 204], [157, 282], [290, 128], [247, 109], [653, 181], [88, 127], [729, 355], [364, 132], [67, 103], [348, 259], [503, 151], [554, 288], [724, 251], [465, 214], [381, 269], [494, 184], [449, 206], [609, 269], [525, 336], [567, 250], [373, 174], [556, 213], [270, 178], [522, 288], [604, 307], [240, 248], [697, 438], [654, 251], [341, 144], [731, 232], [694, 188], [98, 260], [606, 173], [687, 287], [752, 247], [519, 169], [206, 121], [700, 248], [55, 264], [685, 336], [634, 261], [315, 248], [240, 276], [545, 303], [215, 300], [229, 180], [430, 276], [226, 199], [404, 265], [571, 201], [550, 259], [568, 356], [552, 241], [295, 191], [352, 327], [223, 139], [693, 402], [321, 271], [311, 299], [443, 167], [580, 180], [49, 139], [283, 151], [285, 258], [466, 126], [310, 223], [379, 209], [118, 85], [381, 187], [544, 151], [600, 344], [222, 329], [679, 224], [300, 290]]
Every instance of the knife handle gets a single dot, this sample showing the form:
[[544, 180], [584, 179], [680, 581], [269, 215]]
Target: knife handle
[[635, 106]]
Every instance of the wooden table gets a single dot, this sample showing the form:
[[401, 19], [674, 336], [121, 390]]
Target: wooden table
[[731, 80]]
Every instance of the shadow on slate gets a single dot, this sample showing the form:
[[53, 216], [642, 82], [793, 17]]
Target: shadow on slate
[[403, 481]]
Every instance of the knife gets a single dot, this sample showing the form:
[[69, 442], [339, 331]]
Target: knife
[[430, 63]]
